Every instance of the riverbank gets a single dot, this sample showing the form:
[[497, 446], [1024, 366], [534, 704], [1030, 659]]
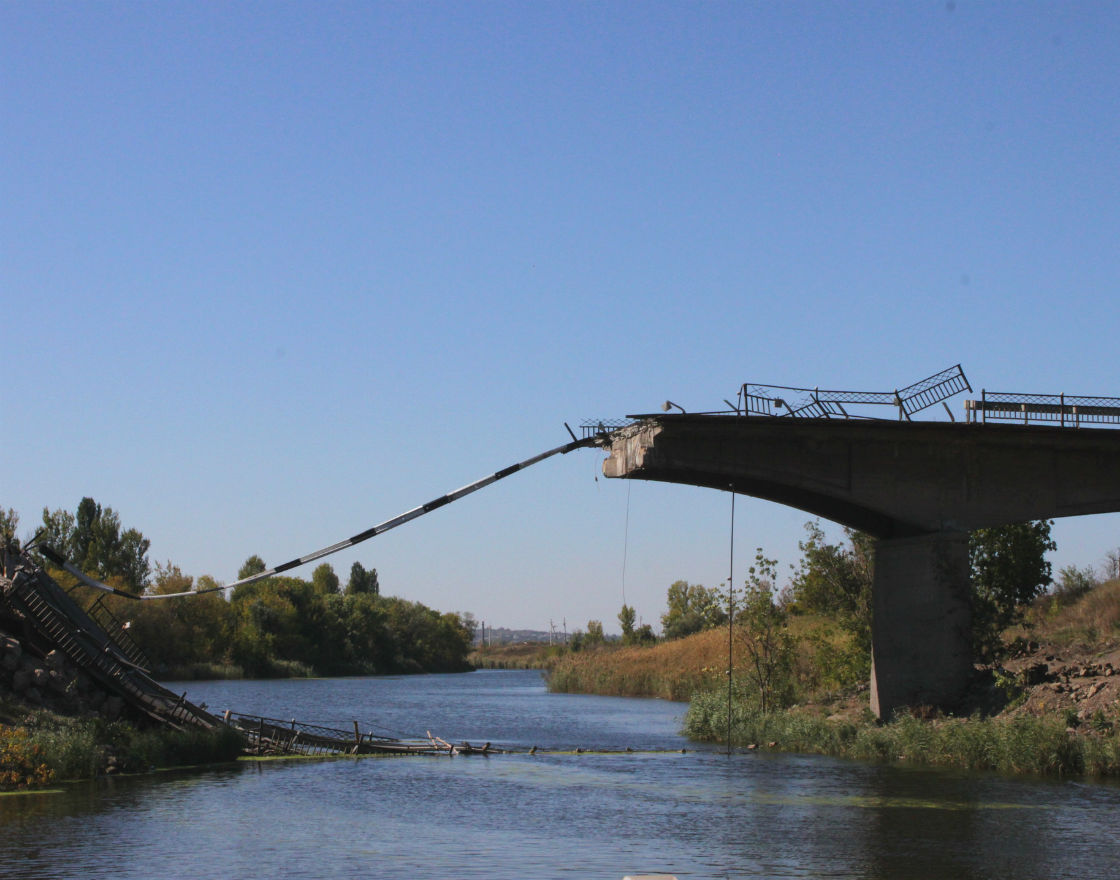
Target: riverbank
[[39, 747], [1052, 706], [1056, 744], [57, 724], [528, 655]]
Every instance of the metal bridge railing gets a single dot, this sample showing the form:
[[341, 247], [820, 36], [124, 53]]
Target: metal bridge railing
[[789, 401], [117, 630], [819, 403], [601, 427], [1066, 410], [56, 621], [933, 390]]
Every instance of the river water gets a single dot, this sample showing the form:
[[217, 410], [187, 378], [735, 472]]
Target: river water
[[695, 814]]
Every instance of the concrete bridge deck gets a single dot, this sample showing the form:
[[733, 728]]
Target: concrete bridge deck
[[918, 487]]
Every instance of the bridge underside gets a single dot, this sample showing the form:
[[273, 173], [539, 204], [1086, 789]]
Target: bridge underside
[[918, 487]]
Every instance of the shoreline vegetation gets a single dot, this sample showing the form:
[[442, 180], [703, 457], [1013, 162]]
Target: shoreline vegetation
[[41, 748], [1050, 705], [1020, 744]]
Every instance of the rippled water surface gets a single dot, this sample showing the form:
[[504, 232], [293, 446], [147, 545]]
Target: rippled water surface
[[697, 814]]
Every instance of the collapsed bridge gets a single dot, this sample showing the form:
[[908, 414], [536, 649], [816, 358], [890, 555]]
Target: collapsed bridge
[[90, 646], [918, 488], [88, 650]]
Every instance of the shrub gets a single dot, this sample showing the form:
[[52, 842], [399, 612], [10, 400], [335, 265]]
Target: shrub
[[22, 763]]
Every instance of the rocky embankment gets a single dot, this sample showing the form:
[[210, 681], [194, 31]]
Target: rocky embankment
[[1084, 683], [50, 682]]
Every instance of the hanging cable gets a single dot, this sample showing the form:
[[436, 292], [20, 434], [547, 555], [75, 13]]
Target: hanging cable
[[730, 619], [371, 532], [626, 540]]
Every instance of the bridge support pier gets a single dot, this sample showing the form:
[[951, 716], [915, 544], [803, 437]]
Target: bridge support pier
[[921, 645]]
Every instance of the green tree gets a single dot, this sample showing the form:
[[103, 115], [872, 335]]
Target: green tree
[[175, 633], [763, 636], [324, 579], [643, 635], [626, 618], [1073, 583], [834, 579], [1111, 565], [128, 559], [288, 626], [594, 634], [94, 541], [89, 512], [470, 624], [692, 608], [9, 522], [251, 566], [362, 581], [57, 530], [1009, 569], [368, 645]]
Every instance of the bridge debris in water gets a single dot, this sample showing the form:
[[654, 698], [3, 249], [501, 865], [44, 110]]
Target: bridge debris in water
[[53, 625], [273, 736]]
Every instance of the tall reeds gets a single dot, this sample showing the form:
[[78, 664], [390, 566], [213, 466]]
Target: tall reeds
[[1022, 744], [672, 670]]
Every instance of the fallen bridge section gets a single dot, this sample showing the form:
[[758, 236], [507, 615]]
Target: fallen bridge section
[[53, 621], [273, 736]]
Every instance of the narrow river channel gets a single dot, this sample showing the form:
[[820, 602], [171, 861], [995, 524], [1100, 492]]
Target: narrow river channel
[[697, 814]]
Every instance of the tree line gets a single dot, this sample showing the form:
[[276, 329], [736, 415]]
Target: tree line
[[276, 626], [1008, 568]]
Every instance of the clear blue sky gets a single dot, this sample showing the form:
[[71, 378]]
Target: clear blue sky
[[272, 273]]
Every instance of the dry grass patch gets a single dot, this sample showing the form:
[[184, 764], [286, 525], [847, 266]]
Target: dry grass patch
[[670, 670], [1093, 621]]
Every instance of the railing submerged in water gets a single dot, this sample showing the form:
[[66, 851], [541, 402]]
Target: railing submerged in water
[[274, 736]]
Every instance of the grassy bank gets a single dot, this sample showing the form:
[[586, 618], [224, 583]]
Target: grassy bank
[[677, 669], [44, 748], [1091, 623], [1018, 744], [1052, 707]]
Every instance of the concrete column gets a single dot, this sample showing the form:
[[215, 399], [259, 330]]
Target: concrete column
[[921, 644]]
